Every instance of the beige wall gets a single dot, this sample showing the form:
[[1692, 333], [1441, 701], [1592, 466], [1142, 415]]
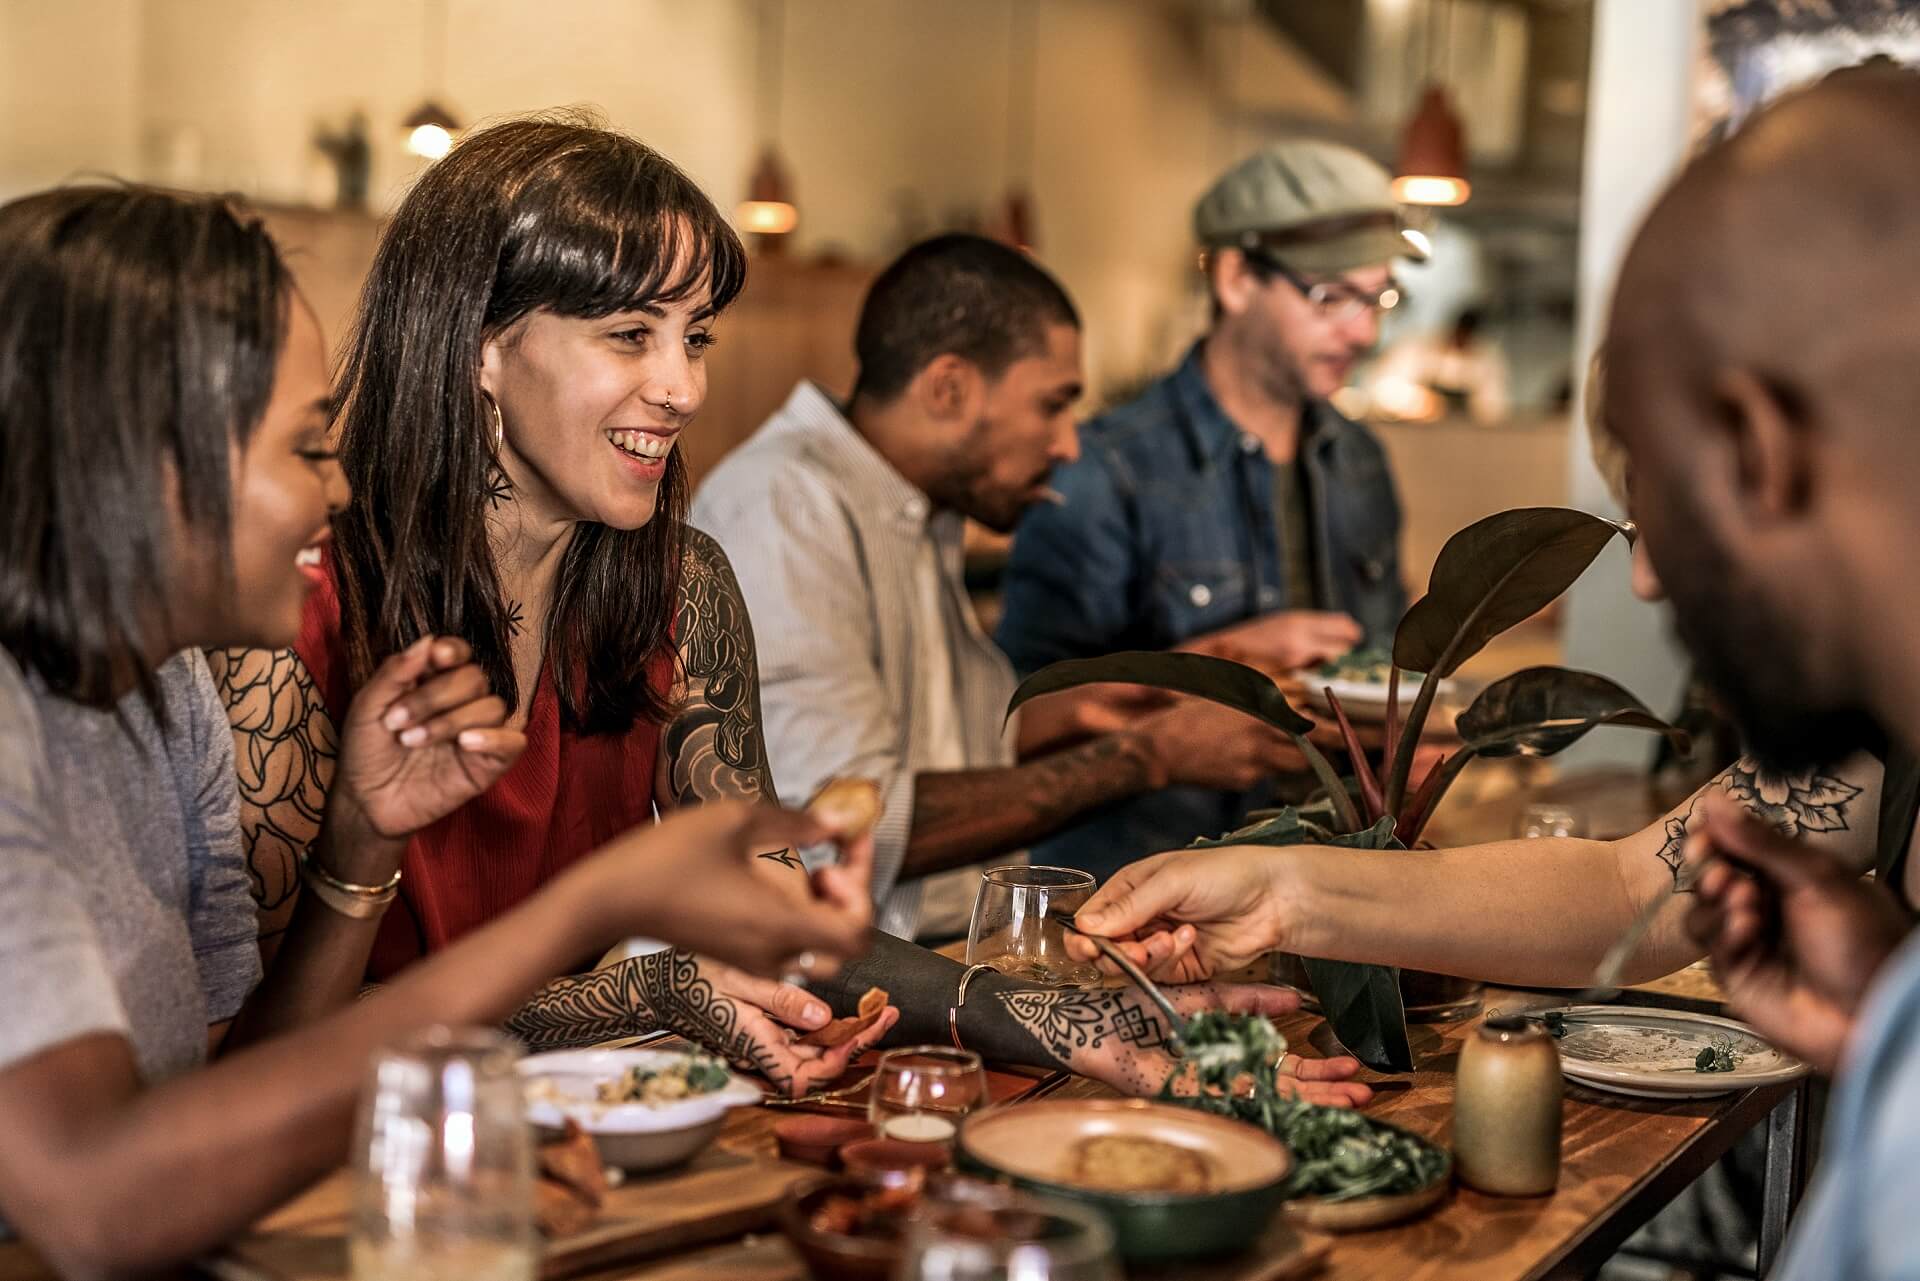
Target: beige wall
[[881, 97]]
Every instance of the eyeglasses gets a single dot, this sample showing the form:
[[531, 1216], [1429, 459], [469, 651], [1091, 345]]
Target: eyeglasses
[[1336, 300]]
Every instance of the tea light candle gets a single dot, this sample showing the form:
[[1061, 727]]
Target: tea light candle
[[919, 1127]]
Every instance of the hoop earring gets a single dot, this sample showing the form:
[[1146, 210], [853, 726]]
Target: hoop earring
[[499, 424]]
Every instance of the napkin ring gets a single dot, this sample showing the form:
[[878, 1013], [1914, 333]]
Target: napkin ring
[[960, 999]]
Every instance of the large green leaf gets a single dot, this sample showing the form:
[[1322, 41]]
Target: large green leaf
[[1219, 679], [1361, 1002], [1543, 710], [1495, 573]]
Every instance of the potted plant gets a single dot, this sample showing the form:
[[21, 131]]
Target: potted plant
[[1490, 576]]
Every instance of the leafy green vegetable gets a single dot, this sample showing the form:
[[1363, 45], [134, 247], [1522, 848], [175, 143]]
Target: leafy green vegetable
[[1368, 665], [1338, 1154], [1718, 1057]]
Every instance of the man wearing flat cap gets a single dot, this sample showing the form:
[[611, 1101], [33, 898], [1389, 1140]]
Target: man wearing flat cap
[[1230, 509]]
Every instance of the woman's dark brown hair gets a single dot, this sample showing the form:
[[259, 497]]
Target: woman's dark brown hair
[[139, 332], [544, 214]]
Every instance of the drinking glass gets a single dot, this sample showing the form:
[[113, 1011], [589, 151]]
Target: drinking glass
[[444, 1185], [1543, 819], [921, 1093], [1001, 1235], [1011, 930]]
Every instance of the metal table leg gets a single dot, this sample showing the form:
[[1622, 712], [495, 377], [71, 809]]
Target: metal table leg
[[1786, 1171]]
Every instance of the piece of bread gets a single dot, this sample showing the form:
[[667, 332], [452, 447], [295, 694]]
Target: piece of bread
[[1125, 1163], [559, 1211], [840, 1031], [849, 806], [573, 1160]]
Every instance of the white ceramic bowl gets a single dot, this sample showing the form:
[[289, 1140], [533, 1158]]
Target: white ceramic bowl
[[633, 1136]]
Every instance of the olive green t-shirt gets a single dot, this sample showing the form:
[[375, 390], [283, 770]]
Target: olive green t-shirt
[[1295, 522]]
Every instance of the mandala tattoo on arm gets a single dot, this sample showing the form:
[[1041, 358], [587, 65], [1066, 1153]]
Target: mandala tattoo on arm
[[661, 989], [1070, 1023], [714, 746], [1794, 805], [284, 749]]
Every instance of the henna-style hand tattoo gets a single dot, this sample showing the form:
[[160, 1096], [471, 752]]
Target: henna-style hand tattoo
[[1792, 804], [1115, 1023], [661, 989], [284, 749], [714, 746]]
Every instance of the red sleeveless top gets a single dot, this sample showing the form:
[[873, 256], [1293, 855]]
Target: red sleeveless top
[[566, 795]]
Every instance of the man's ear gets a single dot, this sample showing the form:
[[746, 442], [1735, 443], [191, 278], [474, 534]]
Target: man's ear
[[1232, 279], [946, 388], [1771, 440]]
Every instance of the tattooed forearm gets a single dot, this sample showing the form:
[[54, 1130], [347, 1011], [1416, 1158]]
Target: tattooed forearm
[[967, 815], [284, 750], [1116, 1024], [1792, 804], [661, 989], [714, 748]]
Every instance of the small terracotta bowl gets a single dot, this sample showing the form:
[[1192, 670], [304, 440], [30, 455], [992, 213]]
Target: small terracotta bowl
[[878, 1156], [817, 1140]]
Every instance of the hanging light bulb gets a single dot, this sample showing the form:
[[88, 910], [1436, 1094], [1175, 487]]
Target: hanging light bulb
[[1433, 155], [768, 209], [430, 130], [430, 127]]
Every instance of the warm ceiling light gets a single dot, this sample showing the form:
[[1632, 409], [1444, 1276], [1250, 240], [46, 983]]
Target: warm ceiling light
[[766, 217], [430, 130], [1433, 155]]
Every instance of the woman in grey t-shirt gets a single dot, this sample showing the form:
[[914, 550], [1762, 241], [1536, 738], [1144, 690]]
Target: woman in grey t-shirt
[[167, 479]]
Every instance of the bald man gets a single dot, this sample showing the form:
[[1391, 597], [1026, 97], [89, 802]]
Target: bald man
[[1764, 368]]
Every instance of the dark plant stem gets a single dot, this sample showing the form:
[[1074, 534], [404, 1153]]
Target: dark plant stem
[[1393, 714], [1330, 780], [1427, 799], [1357, 755], [1410, 739]]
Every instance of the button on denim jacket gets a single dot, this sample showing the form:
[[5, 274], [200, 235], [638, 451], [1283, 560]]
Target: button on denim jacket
[[1169, 532]]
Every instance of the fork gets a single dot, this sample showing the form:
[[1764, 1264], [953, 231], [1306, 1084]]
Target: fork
[[1175, 1020]]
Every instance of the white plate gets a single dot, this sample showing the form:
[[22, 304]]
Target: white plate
[[1366, 700], [1650, 1053], [575, 1075]]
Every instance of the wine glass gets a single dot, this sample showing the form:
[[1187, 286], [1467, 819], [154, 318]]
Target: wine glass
[[922, 1092], [995, 1234], [444, 1185], [1013, 929]]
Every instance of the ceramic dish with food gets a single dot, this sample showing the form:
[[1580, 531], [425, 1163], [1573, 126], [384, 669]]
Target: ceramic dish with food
[[1174, 1183], [1664, 1054], [646, 1109]]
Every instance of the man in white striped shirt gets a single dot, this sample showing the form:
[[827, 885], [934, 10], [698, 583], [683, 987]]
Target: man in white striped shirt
[[844, 522]]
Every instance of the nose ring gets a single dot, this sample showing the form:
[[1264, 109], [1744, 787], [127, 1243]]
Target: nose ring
[[668, 401]]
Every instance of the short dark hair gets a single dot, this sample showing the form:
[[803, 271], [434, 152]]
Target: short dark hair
[[965, 295], [552, 213], [139, 335]]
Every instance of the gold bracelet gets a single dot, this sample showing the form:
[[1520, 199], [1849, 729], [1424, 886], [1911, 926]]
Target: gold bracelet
[[960, 999], [361, 902]]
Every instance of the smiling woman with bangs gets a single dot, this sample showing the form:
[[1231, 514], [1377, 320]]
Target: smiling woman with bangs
[[529, 348]]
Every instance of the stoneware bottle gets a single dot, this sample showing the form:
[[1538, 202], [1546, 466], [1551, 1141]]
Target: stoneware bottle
[[1506, 1109]]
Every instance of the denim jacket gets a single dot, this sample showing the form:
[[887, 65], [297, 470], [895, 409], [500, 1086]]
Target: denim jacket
[[1169, 532]]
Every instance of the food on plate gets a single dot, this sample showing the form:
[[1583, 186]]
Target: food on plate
[[1363, 666], [880, 1212], [850, 806], [1129, 1163], [840, 1031], [1339, 1155], [572, 1184], [693, 1075]]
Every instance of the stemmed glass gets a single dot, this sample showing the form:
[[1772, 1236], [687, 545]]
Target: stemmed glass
[[1002, 1235], [1013, 929], [444, 1185], [922, 1092]]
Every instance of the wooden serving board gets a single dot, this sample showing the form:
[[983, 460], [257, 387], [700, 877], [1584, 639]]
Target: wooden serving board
[[720, 1194]]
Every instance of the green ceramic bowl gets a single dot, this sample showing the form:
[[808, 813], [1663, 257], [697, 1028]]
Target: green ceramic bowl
[[1031, 1143]]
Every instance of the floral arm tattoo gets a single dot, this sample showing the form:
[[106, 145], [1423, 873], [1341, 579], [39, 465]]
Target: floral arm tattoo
[[1792, 804], [714, 748], [284, 748], [660, 989]]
